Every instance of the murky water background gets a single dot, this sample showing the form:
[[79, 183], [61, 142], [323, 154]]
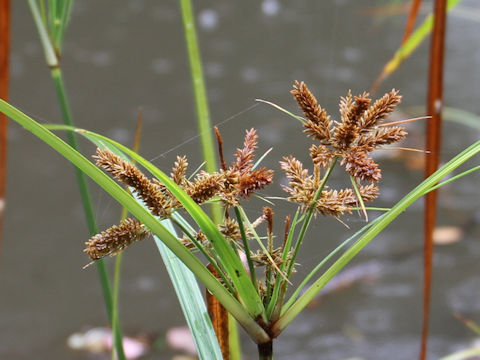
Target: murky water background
[[120, 56]]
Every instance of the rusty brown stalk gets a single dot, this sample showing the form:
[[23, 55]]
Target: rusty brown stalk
[[4, 58], [433, 142]]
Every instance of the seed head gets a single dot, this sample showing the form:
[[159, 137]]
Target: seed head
[[115, 239]]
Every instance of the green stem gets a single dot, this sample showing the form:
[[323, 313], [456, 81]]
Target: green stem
[[81, 180], [203, 121], [205, 253], [88, 209], [246, 247], [48, 49], [476, 168], [309, 215], [324, 261], [275, 305], [117, 341], [116, 291], [201, 103]]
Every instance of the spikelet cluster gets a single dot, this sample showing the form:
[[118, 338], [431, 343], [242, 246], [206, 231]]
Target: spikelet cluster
[[115, 239], [236, 182], [241, 179], [352, 140], [154, 196]]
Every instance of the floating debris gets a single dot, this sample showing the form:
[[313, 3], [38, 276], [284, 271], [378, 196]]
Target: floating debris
[[179, 338], [99, 340], [445, 235]]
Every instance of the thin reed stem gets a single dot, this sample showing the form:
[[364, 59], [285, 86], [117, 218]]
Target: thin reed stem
[[433, 145], [88, 209], [200, 92], [117, 340]]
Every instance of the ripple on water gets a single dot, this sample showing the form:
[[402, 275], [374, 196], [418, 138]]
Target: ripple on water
[[373, 320], [392, 290], [464, 297]]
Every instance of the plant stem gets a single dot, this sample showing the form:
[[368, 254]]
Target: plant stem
[[117, 341], [88, 209], [265, 351], [67, 119], [203, 119], [432, 158], [309, 215], [4, 77], [201, 103], [213, 262], [279, 288], [246, 247]]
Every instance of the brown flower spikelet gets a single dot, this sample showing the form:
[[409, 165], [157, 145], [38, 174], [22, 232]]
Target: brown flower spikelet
[[357, 134], [115, 239], [361, 166], [318, 122], [244, 156], [179, 170], [129, 175], [302, 188], [205, 186], [351, 109], [321, 155], [295, 172], [336, 203], [301, 185], [199, 236], [382, 136], [253, 181], [380, 110], [240, 180], [230, 229]]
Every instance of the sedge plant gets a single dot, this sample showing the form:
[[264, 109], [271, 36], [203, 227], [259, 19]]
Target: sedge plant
[[253, 268]]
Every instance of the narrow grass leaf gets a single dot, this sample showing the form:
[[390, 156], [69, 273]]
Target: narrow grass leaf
[[410, 45], [463, 354], [191, 301], [49, 51]]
